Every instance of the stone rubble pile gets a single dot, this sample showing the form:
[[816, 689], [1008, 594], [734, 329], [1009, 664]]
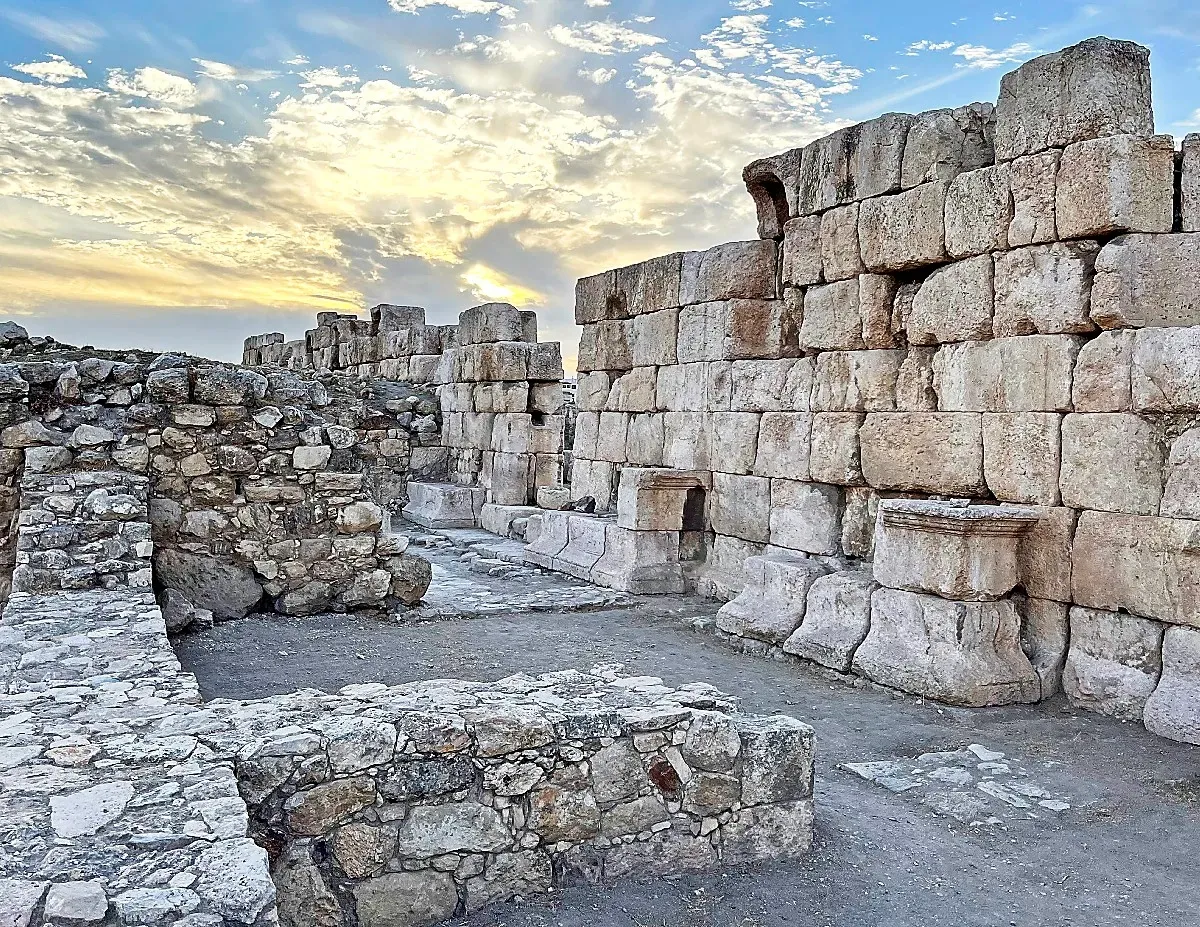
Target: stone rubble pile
[[997, 304]]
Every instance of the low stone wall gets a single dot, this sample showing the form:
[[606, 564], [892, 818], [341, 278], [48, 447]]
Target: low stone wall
[[403, 806]]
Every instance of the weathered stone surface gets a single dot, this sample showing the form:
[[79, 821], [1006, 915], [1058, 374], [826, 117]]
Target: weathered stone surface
[[1173, 709], [856, 381], [740, 505], [1045, 635], [783, 445], [1114, 662], [1097, 88], [1147, 280], [1122, 183], [1190, 184], [836, 621], [979, 210], [1045, 290], [85, 812], [805, 516], [734, 441], [771, 183], [904, 231], [76, 902], [995, 376], [1181, 494], [771, 385], [773, 602], [1165, 374], [1044, 554], [736, 270], [955, 303], [840, 257], [963, 653], [945, 142], [849, 315], [441, 505], [1103, 373], [467, 826], [936, 452], [1032, 183], [1147, 566], [853, 163], [226, 589], [835, 456], [1113, 462], [234, 880], [787, 826], [1021, 456], [966, 553], [414, 899], [801, 251]]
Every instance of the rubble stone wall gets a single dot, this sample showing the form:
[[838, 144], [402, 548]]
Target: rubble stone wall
[[998, 304]]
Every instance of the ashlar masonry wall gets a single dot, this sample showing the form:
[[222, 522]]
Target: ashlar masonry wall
[[996, 304]]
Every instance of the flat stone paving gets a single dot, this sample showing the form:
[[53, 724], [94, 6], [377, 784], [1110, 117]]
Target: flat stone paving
[[926, 815]]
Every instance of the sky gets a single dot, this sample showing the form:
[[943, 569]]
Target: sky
[[181, 175]]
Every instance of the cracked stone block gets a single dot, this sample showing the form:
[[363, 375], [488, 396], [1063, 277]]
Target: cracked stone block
[[1112, 461], [1045, 289], [801, 253], [702, 332], [934, 452], [771, 385], [805, 516], [1045, 635], [1097, 88], [1166, 370], [979, 210], [848, 315], [783, 445], [736, 270], [1044, 553], [687, 440], [1146, 565], [1190, 184], [1021, 456], [1118, 184], [1114, 662], [853, 163], [644, 441], [490, 322], [1147, 281], [1103, 373], [966, 553], [856, 381], [786, 826], [961, 653], [634, 391], [1032, 184], [1173, 709], [603, 345], [840, 255], [834, 455], [639, 562], [756, 329], [654, 338], [943, 143], [905, 231], [611, 436], [836, 620], [992, 376], [441, 505], [1181, 495], [955, 303], [595, 299], [734, 441], [858, 522], [914, 384], [772, 603], [740, 506], [649, 286]]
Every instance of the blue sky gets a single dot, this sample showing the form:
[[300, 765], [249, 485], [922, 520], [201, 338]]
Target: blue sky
[[181, 175]]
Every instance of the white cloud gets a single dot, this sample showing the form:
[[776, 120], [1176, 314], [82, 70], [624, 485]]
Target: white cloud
[[600, 75], [748, 5], [485, 7], [984, 58], [598, 3], [603, 38], [216, 70], [76, 35], [870, 38], [297, 60], [328, 78], [926, 45], [56, 70], [156, 85]]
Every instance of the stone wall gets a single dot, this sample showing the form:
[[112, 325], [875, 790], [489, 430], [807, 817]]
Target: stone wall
[[995, 304]]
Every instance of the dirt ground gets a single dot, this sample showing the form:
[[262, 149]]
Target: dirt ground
[[1126, 850]]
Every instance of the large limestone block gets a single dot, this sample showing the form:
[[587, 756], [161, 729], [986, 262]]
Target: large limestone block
[[858, 522], [1032, 184], [1165, 375], [783, 445], [772, 603], [935, 452], [1044, 554], [962, 653], [979, 210], [1112, 461], [1173, 709], [702, 332], [914, 385], [849, 315], [1181, 495], [1022, 452], [1114, 662], [645, 439], [771, 183], [595, 299], [760, 328], [441, 505], [771, 385], [853, 163], [966, 553], [737, 270], [634, 391], [805, 516], [955, 303], [591, 391], [639, 562], [650, 286], [1103, 373], [856, 381], [1147, 280], [1045, 636], [835, 456], [734, 441], [724, 575], [840, 255], [687, 440], [945, 142], [653, 499], [740, 507], [1097, 88], [1145, 565], [1117, 184], [801, 255], [905, 231], [654, 338], [836, 620], [1045, 289], [1190, 184], [684, 388], [389, 318], [490, 322], [593, 478], [612, 436], [228, 590], [510, 481], [1029, 374]]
